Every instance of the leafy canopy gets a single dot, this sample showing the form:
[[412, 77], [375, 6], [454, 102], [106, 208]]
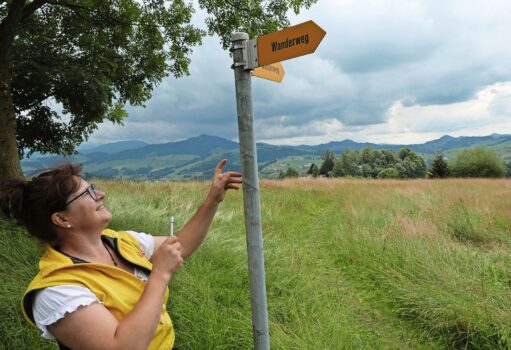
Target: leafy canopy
[[76, 63], [439, 167], [328, 163], [373, 163], [253, 17], [313, 170], [478, 162]]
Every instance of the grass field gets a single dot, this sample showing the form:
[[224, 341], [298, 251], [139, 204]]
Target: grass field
[[350, 264]]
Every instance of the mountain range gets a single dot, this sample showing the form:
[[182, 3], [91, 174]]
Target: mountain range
[[196, 157]]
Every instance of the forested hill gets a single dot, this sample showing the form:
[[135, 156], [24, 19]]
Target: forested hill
[[195, 158]]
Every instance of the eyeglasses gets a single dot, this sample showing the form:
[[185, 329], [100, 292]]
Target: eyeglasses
[[91, 190]]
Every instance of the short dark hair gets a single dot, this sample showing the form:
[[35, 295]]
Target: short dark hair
[[32, 202]]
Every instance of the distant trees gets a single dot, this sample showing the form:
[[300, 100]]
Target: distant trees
[[313, 170], [347, 164], [439, 167], [406, 164], [328, 164], [478, 162], [290, 172], [388, 173], [412, 165], [373, 163]]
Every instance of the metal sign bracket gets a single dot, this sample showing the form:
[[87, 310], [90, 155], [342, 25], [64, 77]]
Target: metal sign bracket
[[249, 49], [242, 47], [251, 59]]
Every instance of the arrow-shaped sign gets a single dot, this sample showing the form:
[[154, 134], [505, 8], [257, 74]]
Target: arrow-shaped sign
[[273, 72], [287, 43]]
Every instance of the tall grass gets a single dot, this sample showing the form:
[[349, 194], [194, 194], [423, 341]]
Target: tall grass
[[350, 264]]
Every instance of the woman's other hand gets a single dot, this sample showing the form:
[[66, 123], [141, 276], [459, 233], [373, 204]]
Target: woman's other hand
[[168, 257], [223, 182]]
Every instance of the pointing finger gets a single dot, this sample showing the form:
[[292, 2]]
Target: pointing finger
[[220, 166]]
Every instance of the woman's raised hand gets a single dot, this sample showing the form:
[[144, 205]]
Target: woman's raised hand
[[223, 182]]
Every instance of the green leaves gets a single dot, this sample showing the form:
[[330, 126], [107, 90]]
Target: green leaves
[[255, 17], [84, 55], [117, 113], [478, 162], [439, 167], [373, 163]]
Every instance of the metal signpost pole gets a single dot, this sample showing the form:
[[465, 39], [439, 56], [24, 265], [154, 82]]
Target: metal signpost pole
[[250, 192]]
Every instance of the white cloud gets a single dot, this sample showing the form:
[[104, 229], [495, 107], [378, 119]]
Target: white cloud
[[474, 113], [150, 131], [489, 111]]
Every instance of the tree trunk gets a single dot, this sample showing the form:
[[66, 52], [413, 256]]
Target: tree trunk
[[9, 156]]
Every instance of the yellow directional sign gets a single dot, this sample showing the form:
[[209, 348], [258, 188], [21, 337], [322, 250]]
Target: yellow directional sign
[[273, 72], [287, 43]]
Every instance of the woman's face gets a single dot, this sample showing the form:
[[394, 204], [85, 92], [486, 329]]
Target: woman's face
[[85, 212]]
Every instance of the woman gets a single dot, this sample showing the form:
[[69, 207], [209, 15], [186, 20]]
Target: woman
[[98, 288]]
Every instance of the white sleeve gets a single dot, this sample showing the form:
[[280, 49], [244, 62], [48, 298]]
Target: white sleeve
[[145, 241], [53, 303]]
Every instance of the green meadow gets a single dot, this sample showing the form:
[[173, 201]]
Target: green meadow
[[350, 264]]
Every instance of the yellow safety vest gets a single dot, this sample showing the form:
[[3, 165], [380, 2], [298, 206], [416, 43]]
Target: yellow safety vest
[[117, 289]]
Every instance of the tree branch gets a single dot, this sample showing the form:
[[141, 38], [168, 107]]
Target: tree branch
[[75, 9], [31, 8], [251, 12], [73, 6], [109, 20], [237, 7], [33, 104], [8, 29]]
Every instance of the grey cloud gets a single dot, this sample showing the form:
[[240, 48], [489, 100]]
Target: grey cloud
[[203, 102], [375, 53]]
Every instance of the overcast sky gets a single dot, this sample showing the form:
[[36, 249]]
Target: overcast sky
[[387, 71]]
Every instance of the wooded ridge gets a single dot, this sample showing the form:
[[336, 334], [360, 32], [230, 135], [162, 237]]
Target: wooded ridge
[[195, 157]]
